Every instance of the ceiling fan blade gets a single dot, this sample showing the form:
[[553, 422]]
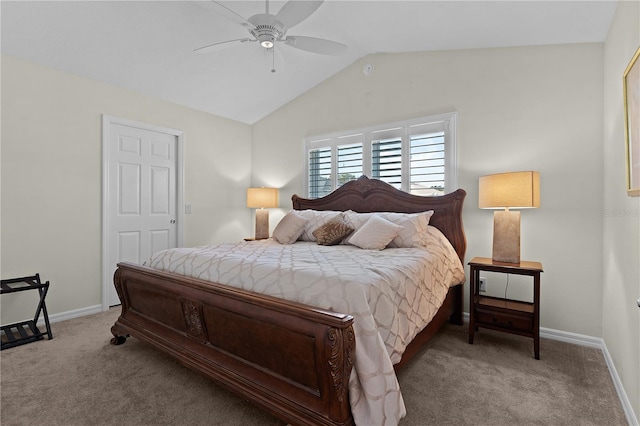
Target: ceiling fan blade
[[224, 11], [221, 45], [316, 45], [294, 12]]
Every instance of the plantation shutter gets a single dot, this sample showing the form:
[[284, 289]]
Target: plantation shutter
[[427, 165], [349, 163], [320, 172], [386, 161], [386, 156]]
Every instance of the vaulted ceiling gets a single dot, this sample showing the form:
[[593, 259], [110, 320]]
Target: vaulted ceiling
[[148, 46]]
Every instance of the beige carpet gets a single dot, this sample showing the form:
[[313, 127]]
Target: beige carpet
[[78, 378]]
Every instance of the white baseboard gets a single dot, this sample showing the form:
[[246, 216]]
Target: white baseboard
[[624, 399], [76, 313], [593, 342], [576, 339]]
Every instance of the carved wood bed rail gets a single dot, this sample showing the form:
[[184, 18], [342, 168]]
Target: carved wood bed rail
[[290, 359]]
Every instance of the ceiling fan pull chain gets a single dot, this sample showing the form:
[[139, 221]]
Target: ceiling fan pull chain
[[273, 56]]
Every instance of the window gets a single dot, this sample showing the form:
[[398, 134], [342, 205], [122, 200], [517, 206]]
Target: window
[[416, 156]]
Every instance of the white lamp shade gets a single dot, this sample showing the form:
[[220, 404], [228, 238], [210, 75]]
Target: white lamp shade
[[509, 190], [262, 198]]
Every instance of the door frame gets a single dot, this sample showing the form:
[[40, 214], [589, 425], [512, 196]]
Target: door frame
[[107, 121]]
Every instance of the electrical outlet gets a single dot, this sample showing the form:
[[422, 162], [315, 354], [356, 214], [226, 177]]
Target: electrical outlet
[[483, 285]]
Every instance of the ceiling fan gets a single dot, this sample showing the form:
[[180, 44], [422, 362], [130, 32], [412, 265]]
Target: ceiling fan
[[268, 29]]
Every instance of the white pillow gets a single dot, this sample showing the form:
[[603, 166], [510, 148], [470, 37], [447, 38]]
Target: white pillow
[[375, 234], [289, 228], [414, 226], [315, 219]]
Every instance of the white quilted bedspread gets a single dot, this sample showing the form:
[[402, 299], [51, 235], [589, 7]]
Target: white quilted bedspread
[[392, 295]]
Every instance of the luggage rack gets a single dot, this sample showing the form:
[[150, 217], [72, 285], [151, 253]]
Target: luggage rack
[[24, 332]]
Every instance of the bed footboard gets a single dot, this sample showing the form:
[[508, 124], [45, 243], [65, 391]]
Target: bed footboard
[[290, 360]]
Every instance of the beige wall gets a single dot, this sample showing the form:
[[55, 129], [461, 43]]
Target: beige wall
[[621, 244], [52, 171], [526, 108]]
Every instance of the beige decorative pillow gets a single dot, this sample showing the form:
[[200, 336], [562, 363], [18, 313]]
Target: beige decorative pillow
[[289, 228], [375, 234], [332, 232]]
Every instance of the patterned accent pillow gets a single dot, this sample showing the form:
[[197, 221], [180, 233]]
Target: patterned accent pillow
[[289, 228], [375, 234], [332, 232], [315, 219], [414, 226]]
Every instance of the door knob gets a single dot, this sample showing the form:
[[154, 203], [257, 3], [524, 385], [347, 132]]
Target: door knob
[[638, 302], [172, 221]]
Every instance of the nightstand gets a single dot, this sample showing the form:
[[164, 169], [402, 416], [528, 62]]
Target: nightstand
[[510, 316]]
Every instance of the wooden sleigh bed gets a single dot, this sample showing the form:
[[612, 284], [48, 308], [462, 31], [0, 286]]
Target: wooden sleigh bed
[[290, 359]]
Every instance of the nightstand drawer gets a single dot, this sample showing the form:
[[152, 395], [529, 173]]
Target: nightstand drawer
[[508, 321]]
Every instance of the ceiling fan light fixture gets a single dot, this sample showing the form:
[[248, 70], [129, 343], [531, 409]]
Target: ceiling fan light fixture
[[267, 44], [267, 35]]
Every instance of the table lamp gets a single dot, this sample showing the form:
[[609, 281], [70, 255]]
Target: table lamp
[[513, 190], [261, 199]]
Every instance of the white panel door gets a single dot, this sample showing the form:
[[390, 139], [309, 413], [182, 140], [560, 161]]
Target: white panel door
[[142, 195]]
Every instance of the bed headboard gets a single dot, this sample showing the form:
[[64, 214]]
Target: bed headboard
[[366, 195]]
